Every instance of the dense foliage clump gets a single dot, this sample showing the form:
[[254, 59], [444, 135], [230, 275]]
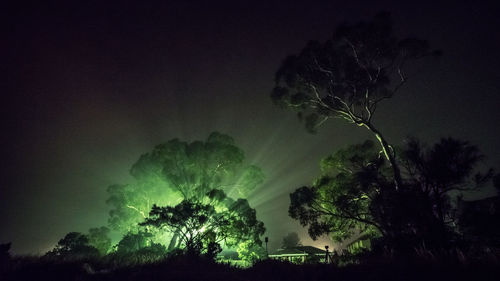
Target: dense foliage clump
[[351, 197]]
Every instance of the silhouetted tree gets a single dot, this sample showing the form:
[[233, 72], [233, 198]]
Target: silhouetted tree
[[347, 77], [496, 183], [478, 221], [74, 245], [291, 240], [450, 165], [434, 176], [203, 226], [132, 242], [138, 248], [191, 221], [4, 253]]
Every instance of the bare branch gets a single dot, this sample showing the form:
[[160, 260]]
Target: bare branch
[[137, 210]]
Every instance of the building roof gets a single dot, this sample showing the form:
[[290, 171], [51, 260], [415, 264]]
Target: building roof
[[298, 251], [485, 206]]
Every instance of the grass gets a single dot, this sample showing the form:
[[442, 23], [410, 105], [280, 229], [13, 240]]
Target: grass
[[424, 266]]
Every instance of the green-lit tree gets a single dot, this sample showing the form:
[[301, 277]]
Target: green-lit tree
[[193, 169], [131, 203], [178, 171], [348, 76], [251, 252]]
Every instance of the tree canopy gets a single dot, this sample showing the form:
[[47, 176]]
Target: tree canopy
[[449, 165], [291, 240], [187, 188], [177, 170], [349, 197], [74, 245], [99, 238], [348, 75], [204, 226], [339, 201]]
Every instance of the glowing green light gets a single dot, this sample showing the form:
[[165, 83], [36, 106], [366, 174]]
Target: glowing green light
[[198, 172]]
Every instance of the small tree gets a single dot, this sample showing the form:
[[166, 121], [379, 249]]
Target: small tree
[[291, 240], [74, 245], [133, 242]]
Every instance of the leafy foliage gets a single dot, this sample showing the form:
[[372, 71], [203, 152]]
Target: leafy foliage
[[339, 202], [352, 197], [177, 171], [74, 245], [99, 239], [130, 203], [250, 252], [349, 74], [448, 166], [202, 227], [347, 77], [132, 242], [193, 169], [178, 174]]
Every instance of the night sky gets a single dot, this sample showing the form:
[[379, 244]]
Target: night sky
[[87, 88]]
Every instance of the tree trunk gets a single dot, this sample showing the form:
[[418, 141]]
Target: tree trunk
[[388, 153], [173, 241]]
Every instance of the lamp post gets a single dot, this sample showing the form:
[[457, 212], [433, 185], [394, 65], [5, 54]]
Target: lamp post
[[266, 239]]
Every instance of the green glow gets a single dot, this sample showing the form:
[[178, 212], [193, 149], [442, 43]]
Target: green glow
[[202, 172]]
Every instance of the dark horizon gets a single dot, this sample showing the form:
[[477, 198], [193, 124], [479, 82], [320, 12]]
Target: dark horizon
[[89, 88]]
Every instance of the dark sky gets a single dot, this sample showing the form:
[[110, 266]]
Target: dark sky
[[87, 88]]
